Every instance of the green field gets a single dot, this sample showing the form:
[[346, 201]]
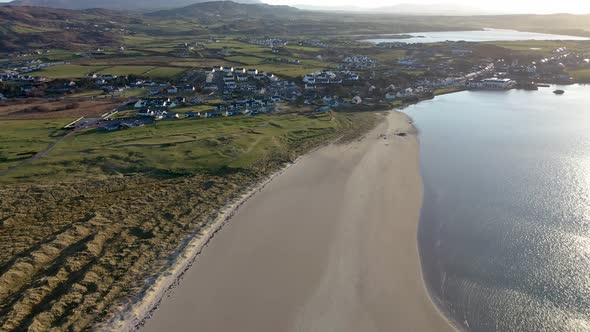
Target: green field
[[581, 75], [86, 94], [246, 60], [197, 108], [445, 91], [180, 146], [164, 72], [68, 71], [126, 70], [22, 139]]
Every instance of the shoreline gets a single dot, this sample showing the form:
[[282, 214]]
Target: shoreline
[[137, 314]]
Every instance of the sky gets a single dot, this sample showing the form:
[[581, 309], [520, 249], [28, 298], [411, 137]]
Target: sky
[[520, 6], [500, 6]]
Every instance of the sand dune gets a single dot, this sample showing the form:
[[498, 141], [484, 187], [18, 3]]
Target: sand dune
[[329, 245]]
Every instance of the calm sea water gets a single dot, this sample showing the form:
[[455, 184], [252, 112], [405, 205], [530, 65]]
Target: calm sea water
[[474, 36], [505, 229]]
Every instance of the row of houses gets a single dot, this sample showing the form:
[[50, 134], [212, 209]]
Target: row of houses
[[255, 103], [315, 80], [161, 114], [31, 66], [269, 42], [358, 62], [21, 78], [165, 102], [249, 72]]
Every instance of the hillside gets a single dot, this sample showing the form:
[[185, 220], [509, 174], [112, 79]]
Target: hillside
[[228, 9], [64, 29], [142, 5]]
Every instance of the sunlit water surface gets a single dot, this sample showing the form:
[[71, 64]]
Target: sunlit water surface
[[505, 229], [473, 36]]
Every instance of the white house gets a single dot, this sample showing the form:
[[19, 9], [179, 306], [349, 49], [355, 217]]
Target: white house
[[172, 90], [357, 100]]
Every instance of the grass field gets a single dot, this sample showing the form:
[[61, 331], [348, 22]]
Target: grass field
[[68, 71], [31, 109], [78, 71], [126, 70], [197, 108], [86, 227], [581, 75], [445, 91], [22, 139], [540, 47], [180, 147], [86, 94], [164, 72]]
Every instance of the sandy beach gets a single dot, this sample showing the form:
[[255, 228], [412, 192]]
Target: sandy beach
[[329, 245]]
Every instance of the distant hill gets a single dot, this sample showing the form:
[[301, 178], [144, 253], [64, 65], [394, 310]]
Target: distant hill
[[451, 9], [131, 5], [60, 28], [228, 9], [408, 9]]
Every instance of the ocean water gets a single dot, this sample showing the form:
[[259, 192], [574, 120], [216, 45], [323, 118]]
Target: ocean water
[[473, 36], [505, 227]]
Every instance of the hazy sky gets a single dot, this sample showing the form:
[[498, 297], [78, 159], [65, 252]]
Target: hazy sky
[[506, 6], [530, 6]]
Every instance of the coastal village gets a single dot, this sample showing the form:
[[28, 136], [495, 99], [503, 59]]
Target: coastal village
[[350, 81]]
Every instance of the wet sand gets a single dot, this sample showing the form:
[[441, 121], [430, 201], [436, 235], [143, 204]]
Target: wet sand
[[329, 245]]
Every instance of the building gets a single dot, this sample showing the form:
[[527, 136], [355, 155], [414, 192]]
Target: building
[[172, 90], [492, 84]]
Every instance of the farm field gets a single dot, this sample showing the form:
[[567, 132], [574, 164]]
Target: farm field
[[164, 72], [56, 108], [69, 71], [580, 75], [126, 70]]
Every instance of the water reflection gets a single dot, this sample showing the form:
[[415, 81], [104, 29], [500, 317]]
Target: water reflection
[[505, 234]]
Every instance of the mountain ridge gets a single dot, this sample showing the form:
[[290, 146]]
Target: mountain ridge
[[229, 9], [130, 5]]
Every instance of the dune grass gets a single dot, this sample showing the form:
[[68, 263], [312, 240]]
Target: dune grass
[[85, 228]]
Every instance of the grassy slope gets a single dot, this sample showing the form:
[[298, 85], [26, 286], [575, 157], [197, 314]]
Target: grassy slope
[[84, 227], [22, 139]]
